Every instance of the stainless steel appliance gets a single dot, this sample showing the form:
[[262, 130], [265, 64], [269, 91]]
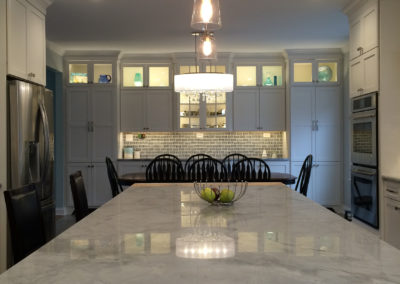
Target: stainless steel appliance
[[31, 144], [364, 189], [364, 130]]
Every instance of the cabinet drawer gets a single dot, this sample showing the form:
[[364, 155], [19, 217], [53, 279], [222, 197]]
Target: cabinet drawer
[[392, 221], [392, 190]]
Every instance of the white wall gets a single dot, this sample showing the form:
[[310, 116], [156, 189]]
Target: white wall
[[54, 60], [389, 99], [3, 137]]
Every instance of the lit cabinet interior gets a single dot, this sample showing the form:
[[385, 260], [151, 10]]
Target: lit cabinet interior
[[259, 76], [90, 73], [323, 72], [78, 73], [139, 76]]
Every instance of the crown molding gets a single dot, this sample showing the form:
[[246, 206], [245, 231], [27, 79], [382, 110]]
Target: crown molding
[[41, 5]]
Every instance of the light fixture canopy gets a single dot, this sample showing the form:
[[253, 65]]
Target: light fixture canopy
[[206, 15], [203, 82]]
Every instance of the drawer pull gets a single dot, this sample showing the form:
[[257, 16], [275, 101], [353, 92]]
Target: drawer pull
[[391, 191], [396, 208]]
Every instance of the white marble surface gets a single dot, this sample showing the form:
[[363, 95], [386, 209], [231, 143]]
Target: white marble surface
[[148, 233]]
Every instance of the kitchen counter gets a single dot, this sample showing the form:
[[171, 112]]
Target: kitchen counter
[[163, 233], [184, 160]]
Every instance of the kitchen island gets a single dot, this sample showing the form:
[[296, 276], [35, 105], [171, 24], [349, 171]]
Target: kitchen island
[[164, 233]]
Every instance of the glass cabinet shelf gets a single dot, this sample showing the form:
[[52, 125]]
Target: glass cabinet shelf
[[90, 73], [303, 72], [102, 73], [158, 76], [272, 76], [132, 76], [315, 72], [246, 76], [145, 75], [259, 75], [327, 72]]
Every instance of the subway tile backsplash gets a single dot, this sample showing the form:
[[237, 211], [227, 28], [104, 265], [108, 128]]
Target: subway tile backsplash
[[216, 144]]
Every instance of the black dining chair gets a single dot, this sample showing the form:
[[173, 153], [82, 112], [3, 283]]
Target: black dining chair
[[207, 169], [164, 170], [79, 196], [25, 219], [116, 187], [169, 156], [304, 176], [193, 159], [251, 169], [230, 160]]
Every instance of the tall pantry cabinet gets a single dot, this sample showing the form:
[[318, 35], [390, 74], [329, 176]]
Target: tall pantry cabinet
[[316, 103], [91, 120]]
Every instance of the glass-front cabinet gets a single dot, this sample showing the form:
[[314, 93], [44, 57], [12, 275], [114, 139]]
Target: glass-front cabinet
[[90, 72], [146, 76], [309, 72], [259, 75], [203, 111]]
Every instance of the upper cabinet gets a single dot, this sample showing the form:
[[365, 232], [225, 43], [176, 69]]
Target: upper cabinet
[[364, 30], [314, 72], [139, 76], [259, 75], [26, 42], [98, 72]]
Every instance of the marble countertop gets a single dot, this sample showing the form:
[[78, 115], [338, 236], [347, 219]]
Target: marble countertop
[[163, 233]]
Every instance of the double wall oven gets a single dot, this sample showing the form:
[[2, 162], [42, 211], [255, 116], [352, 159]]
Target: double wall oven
[[364, 156]]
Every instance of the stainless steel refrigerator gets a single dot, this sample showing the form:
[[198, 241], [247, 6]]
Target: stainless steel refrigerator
[[31, 144]]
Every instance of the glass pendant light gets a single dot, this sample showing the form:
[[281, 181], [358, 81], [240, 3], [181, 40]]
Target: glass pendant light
[[206, 15], [206, 48]]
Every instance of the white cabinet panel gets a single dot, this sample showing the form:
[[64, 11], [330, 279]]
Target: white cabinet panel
[[245, 104], [158, 110], [16, 44], [104, 141], [100, 185], [272, 110], [328, 115], [36, 47], [371, 72], [355, 38], [370, 28], [327, 183], [278, 167], [132, 106], [78, 140], [125, 167], [356, 77], [392, 221]]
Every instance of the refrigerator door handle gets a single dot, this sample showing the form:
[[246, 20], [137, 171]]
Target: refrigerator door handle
[[34, 162], [46, 133]]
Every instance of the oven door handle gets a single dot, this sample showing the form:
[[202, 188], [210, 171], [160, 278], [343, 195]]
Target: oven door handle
[[363, 173]]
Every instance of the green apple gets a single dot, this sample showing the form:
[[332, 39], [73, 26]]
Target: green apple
[[208, 194], [226, 195]]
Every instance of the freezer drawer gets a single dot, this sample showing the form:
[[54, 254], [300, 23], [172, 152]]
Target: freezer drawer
[[392, 222]]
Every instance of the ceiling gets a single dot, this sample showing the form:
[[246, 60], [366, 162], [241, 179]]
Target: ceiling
[[163, 26]]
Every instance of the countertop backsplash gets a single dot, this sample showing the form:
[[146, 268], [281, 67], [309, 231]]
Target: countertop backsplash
[[216, 144]]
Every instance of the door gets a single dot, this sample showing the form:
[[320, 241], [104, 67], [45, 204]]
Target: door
[[158, 111], [245, 104], [17, 38], [100, 185], [356, 77], [103, 117], [36, 47], [370, 72], [328, 116], [302, 115], [78, 127], [132, 110], [370, 28], [272, 110], [327, 183], [355, 38]]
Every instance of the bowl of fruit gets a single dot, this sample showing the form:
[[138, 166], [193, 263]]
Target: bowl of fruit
[[224, 193]]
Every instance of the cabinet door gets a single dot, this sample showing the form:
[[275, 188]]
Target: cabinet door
[[356, 77], [158, 111], [132, 167], [370, 71], [278, 167], [370, 28], [355, 38], [272, 110], [245, 114], [103, 117], [100, 189], [132, 110], [36, 47], [17, 38], [78, 149], [327, 184], [392, 221], [302, 115], [328, 116], [85, 168]]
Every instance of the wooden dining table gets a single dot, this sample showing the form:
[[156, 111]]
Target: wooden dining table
[[164, 233], [132, 178]]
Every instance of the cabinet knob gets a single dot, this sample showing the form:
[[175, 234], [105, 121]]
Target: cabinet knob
[[88, 166], [396, 208]]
